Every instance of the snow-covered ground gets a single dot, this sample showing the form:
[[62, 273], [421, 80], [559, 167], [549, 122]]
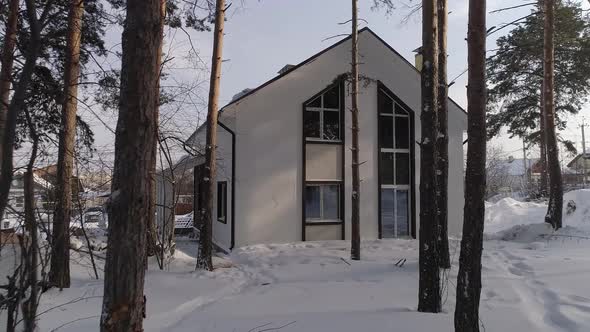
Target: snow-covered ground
[[533, 280]]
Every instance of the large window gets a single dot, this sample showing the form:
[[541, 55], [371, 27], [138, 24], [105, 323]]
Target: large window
[[322, 117], [222, 201], [394, 141], [394, 166], [322, 202]]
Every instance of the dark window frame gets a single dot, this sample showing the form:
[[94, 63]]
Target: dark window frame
[[322, 219], [222, 201], [322, 110], [411, 187]]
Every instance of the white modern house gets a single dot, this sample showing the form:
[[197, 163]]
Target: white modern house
[[284, 161]]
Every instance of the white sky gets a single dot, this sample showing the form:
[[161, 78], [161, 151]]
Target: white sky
[[262, 36]]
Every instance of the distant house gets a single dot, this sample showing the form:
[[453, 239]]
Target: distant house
[[284, 162], [581, 164], [45, 179]]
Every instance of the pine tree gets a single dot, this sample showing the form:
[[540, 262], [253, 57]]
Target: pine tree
[[515, 72], [59, 275], [123, 305], [356, 190], [442, 139], [429, 299], [555, 207], [204, 259], [469, 275]]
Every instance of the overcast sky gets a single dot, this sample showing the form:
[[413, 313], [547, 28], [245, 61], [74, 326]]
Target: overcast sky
[[262, 36]]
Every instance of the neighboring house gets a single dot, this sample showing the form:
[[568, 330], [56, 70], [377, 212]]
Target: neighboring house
[[45, 179], [284, 161], [581, 164]]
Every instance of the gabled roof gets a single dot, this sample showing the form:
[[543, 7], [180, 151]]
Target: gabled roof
[[575, 160], [313, 57]]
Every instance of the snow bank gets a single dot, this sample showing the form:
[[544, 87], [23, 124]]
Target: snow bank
[[512, 220]]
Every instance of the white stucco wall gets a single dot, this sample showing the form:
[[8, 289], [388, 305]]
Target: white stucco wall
[[268, 127]]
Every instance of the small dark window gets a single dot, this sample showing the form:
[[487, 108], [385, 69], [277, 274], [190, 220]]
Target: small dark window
[[402, 132], [311, 127], [322, 202], [386, 171], [332, 98], [386, 131], [385, 103], [222, 202], [402, 168], [331, 125]]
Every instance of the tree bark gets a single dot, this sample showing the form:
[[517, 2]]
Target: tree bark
[[17, 103], [7, 61], [429, 299], [29, 306], [355, 247], [59, 275], [442, 140], [554, 210], [123, 307], [543, 148], [469, 276], [204, 259]]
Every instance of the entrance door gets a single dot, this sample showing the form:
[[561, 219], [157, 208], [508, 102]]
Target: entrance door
[[395, 160]]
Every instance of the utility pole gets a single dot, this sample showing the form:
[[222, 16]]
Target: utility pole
[[583, 155]]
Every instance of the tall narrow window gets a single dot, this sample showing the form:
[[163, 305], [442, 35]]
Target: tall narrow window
[[394, 166], [323, 117], [322, 202], [222, 202]]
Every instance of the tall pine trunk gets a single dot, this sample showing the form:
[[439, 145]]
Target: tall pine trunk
[[204, 259], [7, 61], [555, 207], [469, 276], [429, 297], [442, 139], [543, 147], [355, 251], [31, 303], [123, 305], [59, 275]]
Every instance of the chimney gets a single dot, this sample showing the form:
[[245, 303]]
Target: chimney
[[285, 69], [418, 58]]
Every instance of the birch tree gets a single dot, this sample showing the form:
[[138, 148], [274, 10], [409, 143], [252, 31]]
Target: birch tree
[[555, 207], [123, 306], [469, 276], [204, 259], [59, 274], [355, 251], [429, 299]]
